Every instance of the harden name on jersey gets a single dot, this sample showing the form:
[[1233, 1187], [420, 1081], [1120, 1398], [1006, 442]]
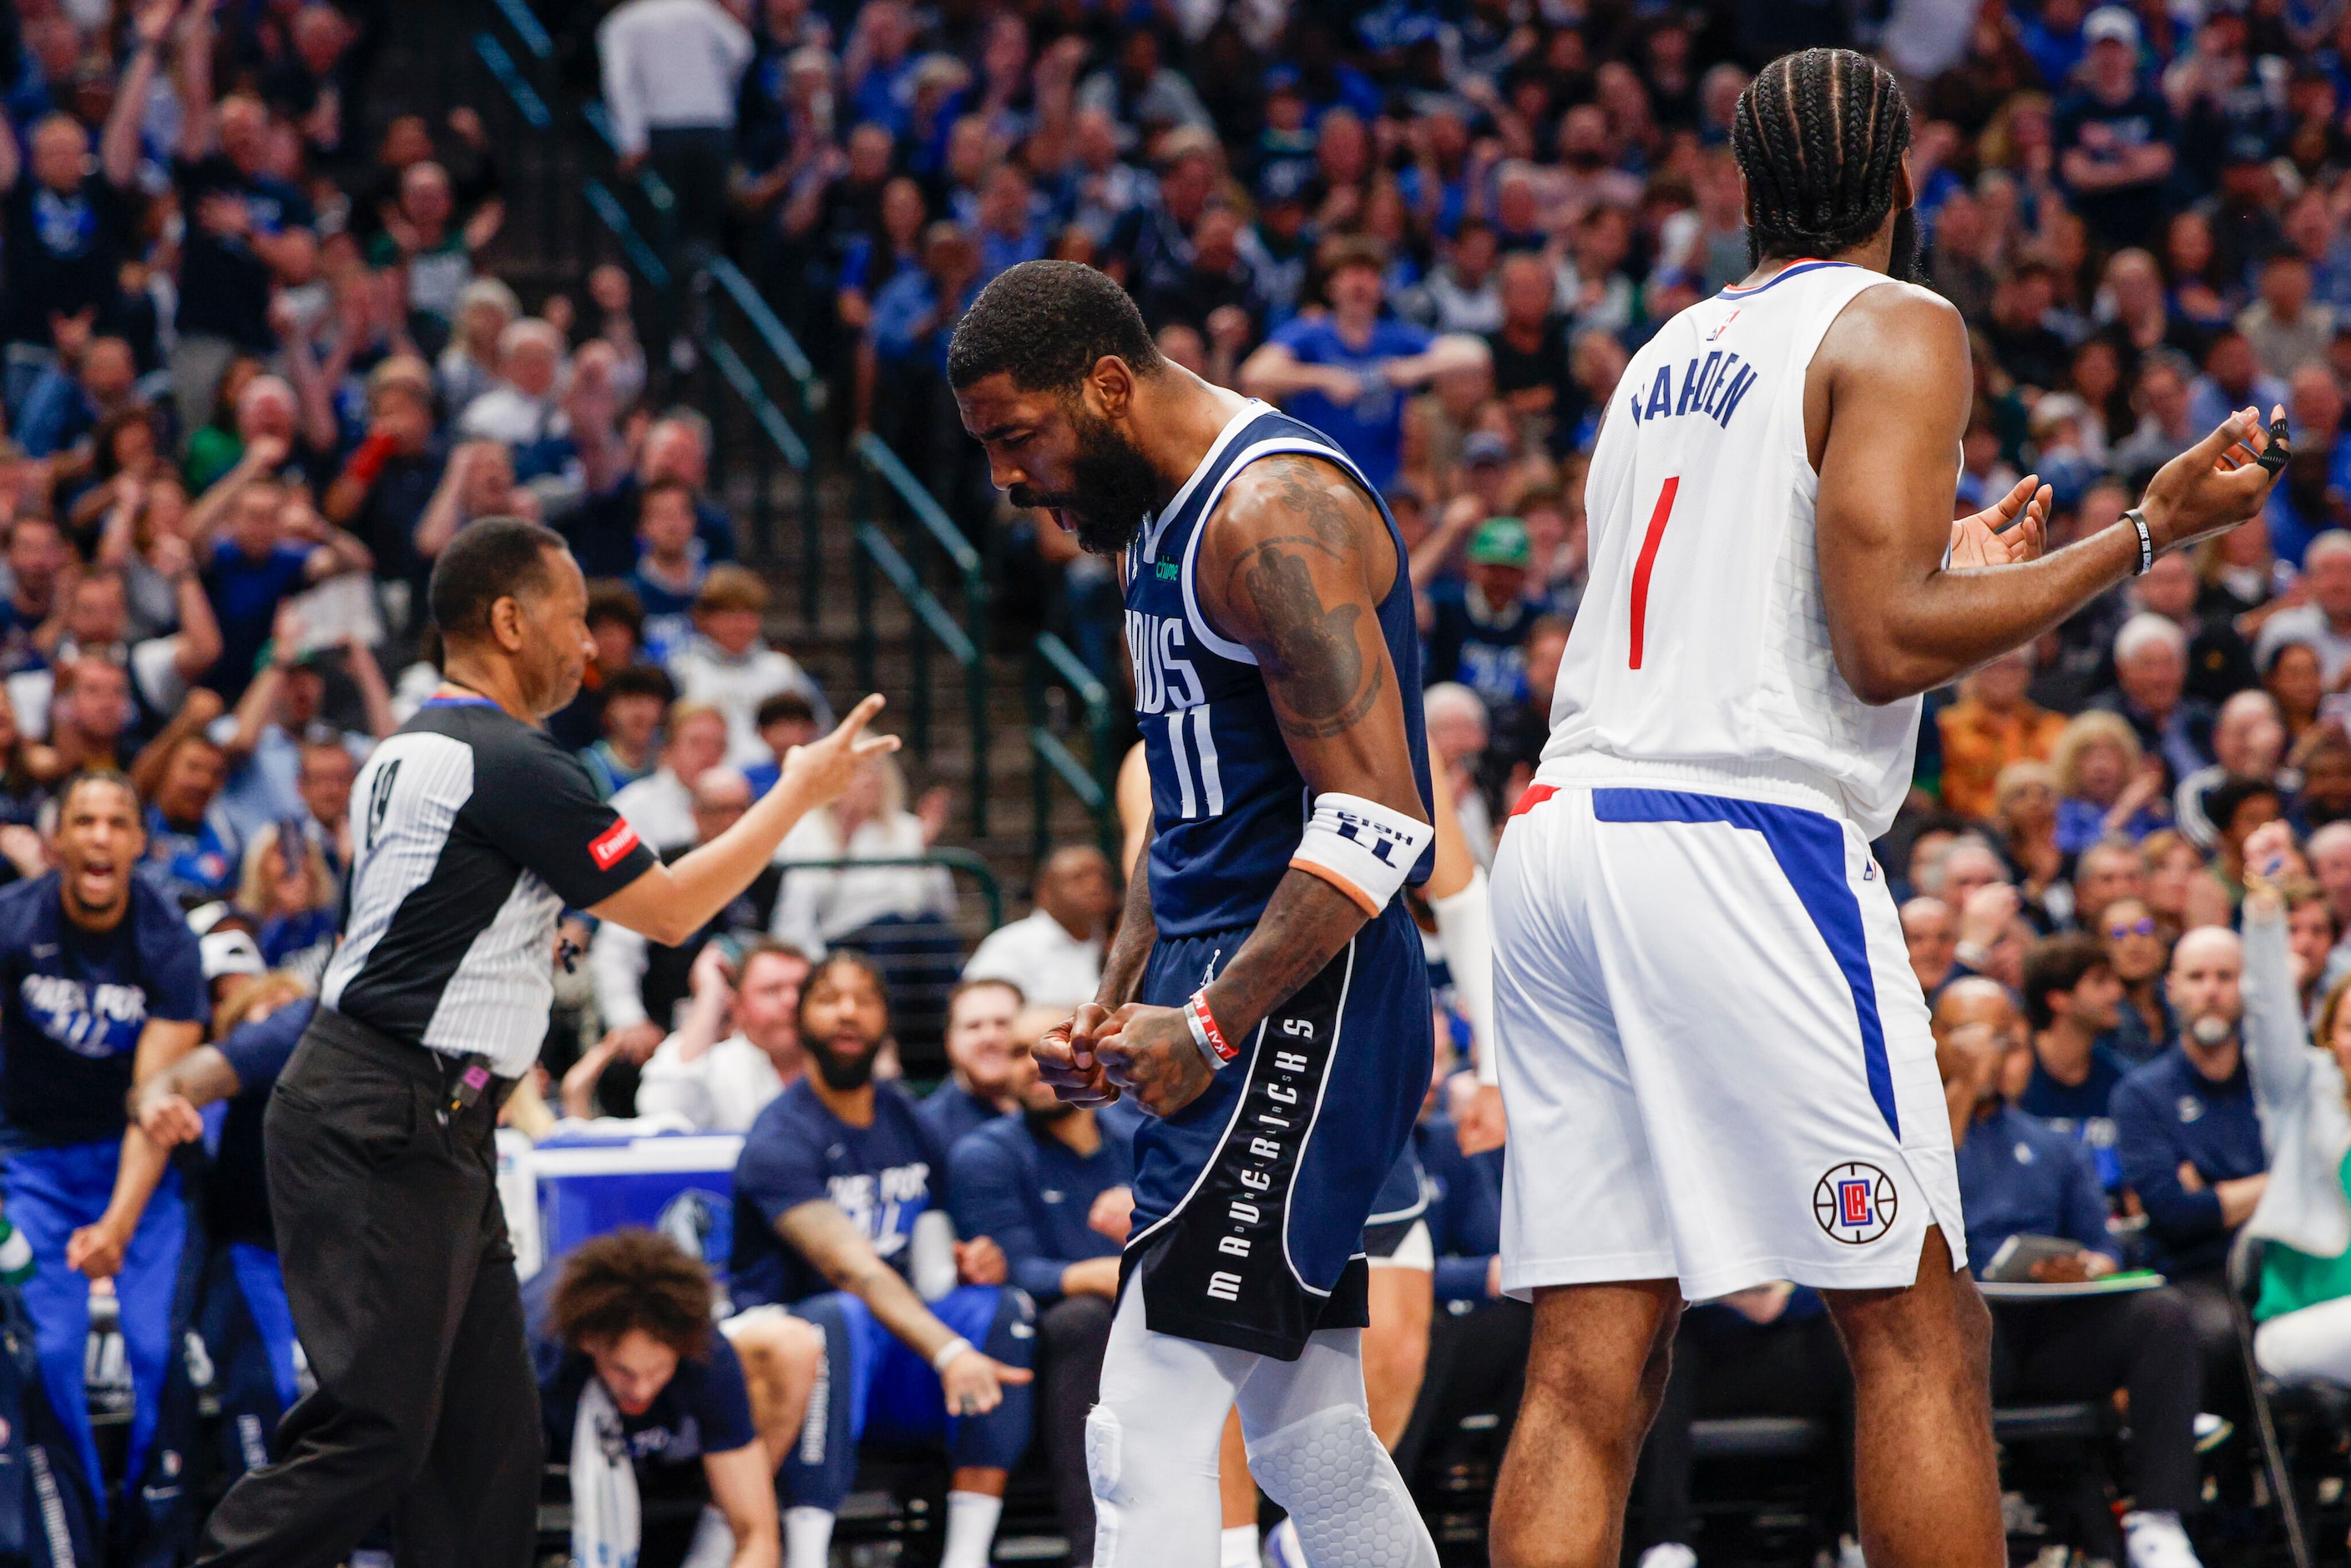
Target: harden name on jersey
[[1712, 386]]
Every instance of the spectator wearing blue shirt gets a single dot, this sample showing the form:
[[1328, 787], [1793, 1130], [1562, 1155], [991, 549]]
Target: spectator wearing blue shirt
[[2191, 1147], [99, 976], [1049, 1184], [671, 567], [915, 313], [833, 1178], [65, 404], [273, 546], [1345, 374], [241, 1309], [1010, 231], [984, 1064], [2072, 996], [1480, 622], [194, 853], [2020, 1177], [2184, 1123]]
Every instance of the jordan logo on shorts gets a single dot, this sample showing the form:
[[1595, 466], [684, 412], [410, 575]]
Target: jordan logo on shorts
[[1855, 1203]]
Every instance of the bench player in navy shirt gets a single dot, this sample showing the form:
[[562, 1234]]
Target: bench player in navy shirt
[[834, 1176], [1266, 1000], [241, 1311], [629, 1318], [100, 987], [1033, 1182]]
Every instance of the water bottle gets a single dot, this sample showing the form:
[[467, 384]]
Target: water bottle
[[16, 1255]]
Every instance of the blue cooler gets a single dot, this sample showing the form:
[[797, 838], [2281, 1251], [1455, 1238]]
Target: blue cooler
[[681, 1183]]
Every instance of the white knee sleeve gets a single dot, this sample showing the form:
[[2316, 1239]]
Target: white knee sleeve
[[1342, 1491], [1103, 1441]]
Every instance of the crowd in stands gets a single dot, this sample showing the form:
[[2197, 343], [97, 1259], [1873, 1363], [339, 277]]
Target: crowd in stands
[[257, 375]]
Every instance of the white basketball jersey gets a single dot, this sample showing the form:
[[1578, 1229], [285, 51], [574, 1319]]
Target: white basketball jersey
[[1701, 654]]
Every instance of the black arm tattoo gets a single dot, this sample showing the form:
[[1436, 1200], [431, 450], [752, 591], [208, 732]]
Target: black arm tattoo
[[1314, 662], [1311, 492]]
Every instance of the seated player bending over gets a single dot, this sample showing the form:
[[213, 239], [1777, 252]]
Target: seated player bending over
[[646, 1404], [833, 1176]]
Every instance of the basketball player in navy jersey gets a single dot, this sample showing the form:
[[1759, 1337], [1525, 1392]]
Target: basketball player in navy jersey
[[1265, 999]]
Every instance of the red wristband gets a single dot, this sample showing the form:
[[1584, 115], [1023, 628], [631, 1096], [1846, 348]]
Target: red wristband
[[1205, 1025]]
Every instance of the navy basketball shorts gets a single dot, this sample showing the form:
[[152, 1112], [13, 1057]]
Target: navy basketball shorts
[[1251, 1203]]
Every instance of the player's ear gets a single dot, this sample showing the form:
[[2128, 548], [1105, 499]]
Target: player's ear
[[1111, 385], [1905, 194]]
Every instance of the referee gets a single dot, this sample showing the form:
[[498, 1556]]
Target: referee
[[473, 832]]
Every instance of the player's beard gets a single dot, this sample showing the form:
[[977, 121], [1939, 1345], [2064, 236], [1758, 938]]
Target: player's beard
[[844, 1073], [1113, 488]]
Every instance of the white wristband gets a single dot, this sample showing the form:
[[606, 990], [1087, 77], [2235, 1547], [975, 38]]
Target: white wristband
[[1361, 847], [948, 1351]]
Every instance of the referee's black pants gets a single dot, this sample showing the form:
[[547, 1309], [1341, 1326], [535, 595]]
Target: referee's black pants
[[404, 1291]]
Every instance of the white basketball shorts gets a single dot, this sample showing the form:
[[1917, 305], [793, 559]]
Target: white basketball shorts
[[1714, 1055]]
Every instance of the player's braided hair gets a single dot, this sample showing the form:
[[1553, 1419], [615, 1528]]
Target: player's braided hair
[[1819, 135]]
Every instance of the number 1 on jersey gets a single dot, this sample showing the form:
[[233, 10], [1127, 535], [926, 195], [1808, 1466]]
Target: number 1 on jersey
[[1649, 558]]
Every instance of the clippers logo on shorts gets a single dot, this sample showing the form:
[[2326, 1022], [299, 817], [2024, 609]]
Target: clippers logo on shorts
[[1855, 1203], [607, 848]]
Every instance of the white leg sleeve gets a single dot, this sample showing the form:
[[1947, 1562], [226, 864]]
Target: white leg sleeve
[[1312, 1447], [1151, 1443]]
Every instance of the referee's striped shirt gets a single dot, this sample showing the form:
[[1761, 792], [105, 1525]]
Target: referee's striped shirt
[[473, 831]]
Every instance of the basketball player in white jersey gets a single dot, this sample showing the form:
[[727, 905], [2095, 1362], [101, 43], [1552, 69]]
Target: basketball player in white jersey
[[1714, 1057]]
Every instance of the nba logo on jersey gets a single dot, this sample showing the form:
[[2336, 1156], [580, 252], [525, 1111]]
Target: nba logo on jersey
[[1855, 1203]]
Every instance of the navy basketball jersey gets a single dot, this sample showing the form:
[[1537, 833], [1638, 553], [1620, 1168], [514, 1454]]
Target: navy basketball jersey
[[1228, 804]]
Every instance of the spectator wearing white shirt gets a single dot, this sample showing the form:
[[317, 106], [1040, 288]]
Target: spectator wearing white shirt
[[640, 983], [524, 412], [720, 1085], [728, 666], [869, 821], [661, 808], [672, 71], [2324, 623], [1054, 953]]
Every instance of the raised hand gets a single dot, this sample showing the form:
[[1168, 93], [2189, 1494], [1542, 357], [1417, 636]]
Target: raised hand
[[819, 772], [2215, 485]]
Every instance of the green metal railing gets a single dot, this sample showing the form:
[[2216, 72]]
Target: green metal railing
[[744, 347], [928, 545], [1094, 782], [734, 312]]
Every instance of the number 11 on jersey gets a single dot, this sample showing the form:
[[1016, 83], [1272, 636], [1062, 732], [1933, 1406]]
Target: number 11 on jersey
[[1649, 558]]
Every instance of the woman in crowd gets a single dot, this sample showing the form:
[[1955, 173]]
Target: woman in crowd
[[2104, 785], [2291, 673], [2025, 813], [2139, 951], [291, 899]]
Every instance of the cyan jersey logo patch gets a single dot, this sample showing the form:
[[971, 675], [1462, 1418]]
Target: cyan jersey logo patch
[[96, 1023]]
